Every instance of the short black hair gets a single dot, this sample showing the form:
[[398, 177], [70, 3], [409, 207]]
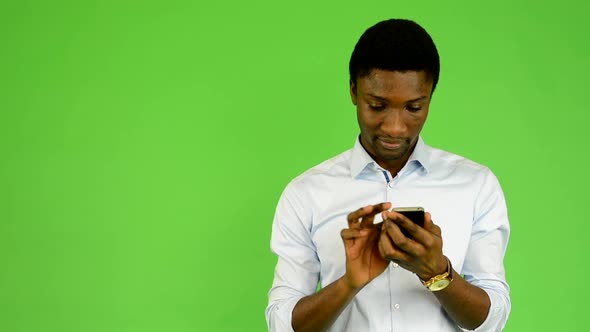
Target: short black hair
[[396, 45]]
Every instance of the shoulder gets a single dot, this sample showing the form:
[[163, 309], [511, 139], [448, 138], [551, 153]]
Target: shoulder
[[451, 168], [448, 162], [332, 169], [298, 195]]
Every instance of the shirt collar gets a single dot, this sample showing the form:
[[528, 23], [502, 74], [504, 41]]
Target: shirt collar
[[361, 160]]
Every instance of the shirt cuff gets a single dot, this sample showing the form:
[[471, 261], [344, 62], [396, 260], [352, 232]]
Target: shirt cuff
[[280, 315], [496, 315]]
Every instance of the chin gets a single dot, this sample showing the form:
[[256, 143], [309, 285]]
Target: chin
[[392, 154], [389, 155]]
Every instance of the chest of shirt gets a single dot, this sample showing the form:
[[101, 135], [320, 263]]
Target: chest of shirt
[[451, 204]]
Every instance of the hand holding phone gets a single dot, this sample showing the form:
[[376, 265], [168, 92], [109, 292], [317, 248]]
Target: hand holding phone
[[415, 214]]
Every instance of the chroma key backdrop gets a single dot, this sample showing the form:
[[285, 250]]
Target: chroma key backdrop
[[144, 146]]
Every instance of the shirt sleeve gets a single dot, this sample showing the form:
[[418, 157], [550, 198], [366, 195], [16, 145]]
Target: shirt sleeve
[[298, 267], [484, 262]]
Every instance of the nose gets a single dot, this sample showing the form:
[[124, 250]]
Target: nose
[[394, 124]]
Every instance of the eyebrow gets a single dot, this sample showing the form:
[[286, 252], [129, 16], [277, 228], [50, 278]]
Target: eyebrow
[[409, 101]]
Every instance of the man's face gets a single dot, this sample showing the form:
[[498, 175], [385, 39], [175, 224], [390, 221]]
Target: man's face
[[392, 107]]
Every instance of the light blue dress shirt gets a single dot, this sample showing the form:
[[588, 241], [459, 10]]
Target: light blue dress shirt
[[465, 200]]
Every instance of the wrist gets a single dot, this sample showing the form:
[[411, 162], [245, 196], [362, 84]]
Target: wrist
[[440, 281], [440, 268], [348, 286]]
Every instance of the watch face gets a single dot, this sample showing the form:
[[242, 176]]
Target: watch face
[[439, 284]]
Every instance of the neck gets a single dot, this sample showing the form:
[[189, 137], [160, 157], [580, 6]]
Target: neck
[[392, 165]]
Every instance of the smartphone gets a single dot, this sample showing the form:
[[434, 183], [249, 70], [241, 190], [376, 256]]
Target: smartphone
[[415, 214]]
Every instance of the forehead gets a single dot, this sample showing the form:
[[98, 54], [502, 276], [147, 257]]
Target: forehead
[[384, 83]]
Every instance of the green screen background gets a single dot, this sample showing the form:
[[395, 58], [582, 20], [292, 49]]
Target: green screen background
[[144, 145]]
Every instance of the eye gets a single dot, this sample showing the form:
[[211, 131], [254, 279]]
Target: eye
[[376, 107], [414, 108]]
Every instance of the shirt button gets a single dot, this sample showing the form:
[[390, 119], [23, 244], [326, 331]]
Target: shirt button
[[396, 306], [395, 265], [390, 184]]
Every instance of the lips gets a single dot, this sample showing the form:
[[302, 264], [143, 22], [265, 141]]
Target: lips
[[391, 144]]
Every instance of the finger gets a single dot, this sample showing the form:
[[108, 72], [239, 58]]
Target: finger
[[400, 240], [379, 226], [430, 226], [377, 208], [385, 246], [366, 211], [430, 237], [389, 250], [353, 237], [417, 233], [404, 222], [351, 233], [353, 217]]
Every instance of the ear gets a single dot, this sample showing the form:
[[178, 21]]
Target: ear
[[353, 92]]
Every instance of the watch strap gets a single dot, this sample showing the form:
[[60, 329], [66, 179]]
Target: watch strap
[[441, 281]]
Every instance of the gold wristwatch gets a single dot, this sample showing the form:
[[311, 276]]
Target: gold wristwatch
[[441, 281]]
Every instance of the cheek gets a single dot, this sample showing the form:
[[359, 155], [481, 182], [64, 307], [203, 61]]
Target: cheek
[[368, 120], [416, 121]]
